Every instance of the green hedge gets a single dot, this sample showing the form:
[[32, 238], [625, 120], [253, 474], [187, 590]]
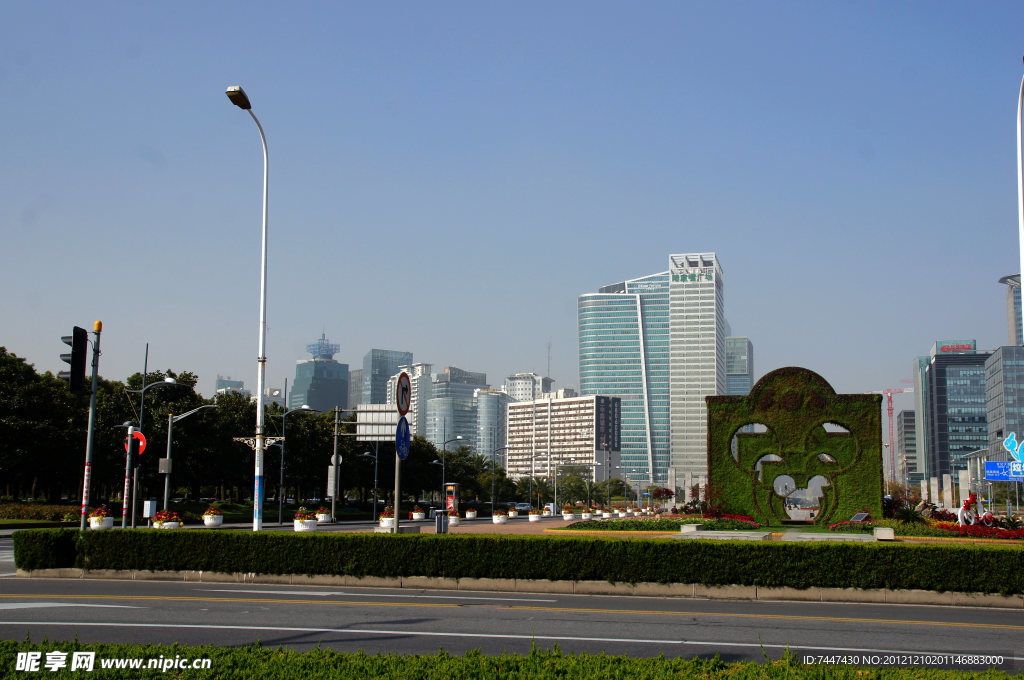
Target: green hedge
[[274, 664], [964, 568]]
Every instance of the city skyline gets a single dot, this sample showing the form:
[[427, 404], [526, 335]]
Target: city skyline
[[450, 188]]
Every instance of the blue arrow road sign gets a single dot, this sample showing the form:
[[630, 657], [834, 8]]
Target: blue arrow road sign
[[402, 438]]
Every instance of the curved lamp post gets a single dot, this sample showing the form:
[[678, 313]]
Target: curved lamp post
[[171, 419], [374, 455], [280, 487], [238, 97], [130, 478], [444, 449]]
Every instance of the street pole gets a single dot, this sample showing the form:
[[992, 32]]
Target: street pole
[[127, 476], [337, 468], [86, 477], [238, 97], [1020, 186], [280, 493], [142, 412], [167, 477]]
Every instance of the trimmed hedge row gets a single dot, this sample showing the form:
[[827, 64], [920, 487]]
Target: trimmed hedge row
[[962, 568], [275, 664]]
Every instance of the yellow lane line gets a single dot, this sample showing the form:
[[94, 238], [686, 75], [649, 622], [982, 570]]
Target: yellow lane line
[[558, 610]]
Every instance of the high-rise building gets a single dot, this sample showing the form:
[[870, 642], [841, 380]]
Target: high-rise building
[[452, 407], [526, 386], [355, 388], [658, 343], [320, 382], [378, 366], [1013, 309], [739, 366], [906, 448], [1004, 397], [421, 383], [226, 385], [491, 425], [546, 433], [950, 411]]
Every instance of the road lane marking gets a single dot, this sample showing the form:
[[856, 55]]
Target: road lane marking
[[554, 610], [325, 593], [796, 648], [42, 605]]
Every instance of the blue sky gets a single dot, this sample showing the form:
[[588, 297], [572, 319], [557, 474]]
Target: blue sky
[[447, 178]]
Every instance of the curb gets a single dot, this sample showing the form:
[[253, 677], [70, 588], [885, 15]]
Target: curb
[[682, 590]]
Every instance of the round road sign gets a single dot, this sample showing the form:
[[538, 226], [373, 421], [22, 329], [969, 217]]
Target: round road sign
[[142, 441], [403, 395]]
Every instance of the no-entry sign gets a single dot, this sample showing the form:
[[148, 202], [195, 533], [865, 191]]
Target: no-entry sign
[[142, 441]]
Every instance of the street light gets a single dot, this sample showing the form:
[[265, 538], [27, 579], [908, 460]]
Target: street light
[[171, 419], [374, 455], [128, 472], [500, 448], [444, 449], [238, 97], [280, 487]]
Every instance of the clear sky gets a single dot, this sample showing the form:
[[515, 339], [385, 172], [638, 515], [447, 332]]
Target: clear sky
[[447, 177]]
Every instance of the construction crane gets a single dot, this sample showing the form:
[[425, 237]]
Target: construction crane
[[888, 392]]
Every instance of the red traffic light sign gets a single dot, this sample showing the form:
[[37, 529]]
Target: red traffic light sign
[[403, 395], [142, 441]]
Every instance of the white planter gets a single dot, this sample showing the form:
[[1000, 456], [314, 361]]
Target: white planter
[[419, 515], [99, 523], [568, 515], [170, 525], [453, 521], [499, 519], [512, 514], [388, 522], [622, 513], [546, 513], [305, 525], [213, 520], [534, 518], [606, 515], [587, 515], [471, 514], [323, 517]]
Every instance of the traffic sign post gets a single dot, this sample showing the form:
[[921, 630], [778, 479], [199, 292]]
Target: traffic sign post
[[403, 394]]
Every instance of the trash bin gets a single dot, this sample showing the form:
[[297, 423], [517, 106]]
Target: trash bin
[[441, 523]]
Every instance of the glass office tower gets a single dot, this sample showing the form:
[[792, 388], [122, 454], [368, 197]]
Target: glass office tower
[[739, 366], [378, 366]]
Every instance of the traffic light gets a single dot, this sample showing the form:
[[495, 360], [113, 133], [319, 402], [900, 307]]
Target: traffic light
[[79, 341]]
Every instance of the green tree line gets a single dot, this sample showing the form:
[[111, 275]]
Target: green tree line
[[43, 430]]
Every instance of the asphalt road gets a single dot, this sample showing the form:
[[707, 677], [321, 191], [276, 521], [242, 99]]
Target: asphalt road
[[424, 621]]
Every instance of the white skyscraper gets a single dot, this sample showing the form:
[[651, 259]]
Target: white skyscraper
[[697, 331]]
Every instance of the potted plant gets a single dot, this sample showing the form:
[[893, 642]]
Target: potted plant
[[387, 517], [167, 519], [213, 517], [587, 513], [304, 520], [471, 514], [546, 512], [535, 515], [499, 517], [323, 514], [418, 512], [453, 518], [567, 512], [101, 518]]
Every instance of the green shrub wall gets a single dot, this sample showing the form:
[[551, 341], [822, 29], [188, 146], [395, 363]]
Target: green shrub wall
[[794, 404], [965, 568]]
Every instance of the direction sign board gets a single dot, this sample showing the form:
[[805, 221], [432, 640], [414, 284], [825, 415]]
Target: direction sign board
[[1004, 471], [403, 393], [402, 438]]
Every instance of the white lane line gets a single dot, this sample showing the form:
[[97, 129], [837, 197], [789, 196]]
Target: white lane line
[[329, 593], [347, 631], [568, 638], [40, 605]]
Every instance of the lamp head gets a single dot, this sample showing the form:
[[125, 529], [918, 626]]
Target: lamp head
[[237, 96]]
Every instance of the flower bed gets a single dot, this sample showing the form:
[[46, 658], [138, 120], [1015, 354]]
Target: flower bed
[[733, 523]]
